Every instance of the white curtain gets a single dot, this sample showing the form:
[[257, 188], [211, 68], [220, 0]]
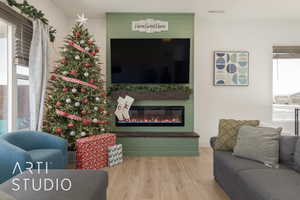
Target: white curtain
[[38, 73]]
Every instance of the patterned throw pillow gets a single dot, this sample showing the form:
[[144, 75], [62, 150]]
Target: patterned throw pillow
[[228, 131]]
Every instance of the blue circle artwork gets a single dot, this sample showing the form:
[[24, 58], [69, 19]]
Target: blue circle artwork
[[220, 54], [243, 79], [243, 63], [231, 68], [234, 79], [220, 67], [220, 61], [220, 82]]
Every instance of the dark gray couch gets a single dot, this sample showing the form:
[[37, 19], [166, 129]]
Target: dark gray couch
[[86, 185], [244, 179]]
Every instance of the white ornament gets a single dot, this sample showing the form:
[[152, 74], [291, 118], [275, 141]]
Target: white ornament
[[68, 100], [82, 20], [74, 90], [50, 107], [95, 120], [97, 99], [87, 48], [82, 41], [77, 57], [65, 50], [104, 112], [83, 134], [77, 104], [103, 129], [86, 74], [96, 108], [64, 72], [72, 133], [104, 101]]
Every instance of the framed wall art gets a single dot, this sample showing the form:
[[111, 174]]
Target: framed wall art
[[231, 68]]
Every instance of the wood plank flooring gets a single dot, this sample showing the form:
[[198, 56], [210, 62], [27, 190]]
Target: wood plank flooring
[[165, 178]]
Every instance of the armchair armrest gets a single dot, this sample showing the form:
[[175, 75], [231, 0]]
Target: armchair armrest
[[213, 141], [31, 140], [10, 155]]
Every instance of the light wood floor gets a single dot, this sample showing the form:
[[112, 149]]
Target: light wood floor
[[165, 178]]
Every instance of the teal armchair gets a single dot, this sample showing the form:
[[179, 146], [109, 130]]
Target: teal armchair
[[25, 147]]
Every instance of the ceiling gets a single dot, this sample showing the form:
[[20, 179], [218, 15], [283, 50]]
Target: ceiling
[[234, 9]]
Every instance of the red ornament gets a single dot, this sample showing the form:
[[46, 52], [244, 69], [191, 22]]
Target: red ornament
[[93, 53], [77, 34], [58, 104], [73, 72], [58, 130], [101, 108], [103, 94], [82, 90], [83, 112], [71, 43], [91, 81], [65, 90], [86, 122], [85, 100], [87, 64], [63, 60], [90, 41], [70, 125], [53, 77]]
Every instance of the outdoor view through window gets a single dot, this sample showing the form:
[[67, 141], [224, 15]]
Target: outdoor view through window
[[286, 91]]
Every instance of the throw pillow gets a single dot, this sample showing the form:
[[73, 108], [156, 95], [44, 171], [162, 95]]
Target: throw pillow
[[228, 131], [259, 144], [297, 156], [4, 196]]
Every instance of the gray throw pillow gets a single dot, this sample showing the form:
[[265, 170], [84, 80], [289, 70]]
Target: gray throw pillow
[[4, 196], [297, 156], [259, 144]]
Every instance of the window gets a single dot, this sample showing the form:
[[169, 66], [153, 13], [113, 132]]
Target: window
[[15, 40], [286, 85]]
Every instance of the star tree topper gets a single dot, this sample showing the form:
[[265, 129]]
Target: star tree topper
[[82, 20]]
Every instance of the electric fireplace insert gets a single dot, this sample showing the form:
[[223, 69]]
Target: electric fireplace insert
[[154, 116]]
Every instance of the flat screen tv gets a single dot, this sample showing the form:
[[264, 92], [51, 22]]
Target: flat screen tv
[[153, 61]]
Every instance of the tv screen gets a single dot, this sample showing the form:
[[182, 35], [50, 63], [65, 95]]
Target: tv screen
[[156, 61]]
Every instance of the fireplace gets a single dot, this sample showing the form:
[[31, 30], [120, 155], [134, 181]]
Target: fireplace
[[154, 116]]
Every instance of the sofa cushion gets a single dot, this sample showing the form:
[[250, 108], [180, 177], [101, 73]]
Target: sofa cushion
[[53, 157], [4, 196], [267, 184], [258, 143], [297, 156], [287, 145], [228, 131], [86, 184], [235, 164]]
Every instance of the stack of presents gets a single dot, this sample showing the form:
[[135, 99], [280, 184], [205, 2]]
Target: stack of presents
[[98, 151]]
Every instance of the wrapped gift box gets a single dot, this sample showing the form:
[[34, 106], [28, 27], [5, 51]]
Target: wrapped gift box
[[91, 152], [115, 155]]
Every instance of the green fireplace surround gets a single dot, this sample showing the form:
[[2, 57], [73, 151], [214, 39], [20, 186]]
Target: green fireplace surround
[[180, 25]]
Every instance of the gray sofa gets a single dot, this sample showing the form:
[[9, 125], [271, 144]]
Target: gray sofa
[[85, 185], [244, 179]]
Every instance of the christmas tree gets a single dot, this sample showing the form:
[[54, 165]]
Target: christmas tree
[[76, 105]]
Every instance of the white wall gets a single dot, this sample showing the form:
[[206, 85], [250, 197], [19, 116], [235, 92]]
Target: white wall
[[58, 20], [213, 103], [253, 102]]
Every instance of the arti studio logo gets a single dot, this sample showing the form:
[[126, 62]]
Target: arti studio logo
[[150, 26], [38, 184]]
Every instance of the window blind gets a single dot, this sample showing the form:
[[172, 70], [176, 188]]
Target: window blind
[[23, 33], [286, 52]]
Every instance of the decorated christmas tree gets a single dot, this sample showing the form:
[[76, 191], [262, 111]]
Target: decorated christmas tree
[[76, 103]]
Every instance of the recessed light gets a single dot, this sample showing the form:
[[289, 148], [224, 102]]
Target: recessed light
[[216, 11]]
